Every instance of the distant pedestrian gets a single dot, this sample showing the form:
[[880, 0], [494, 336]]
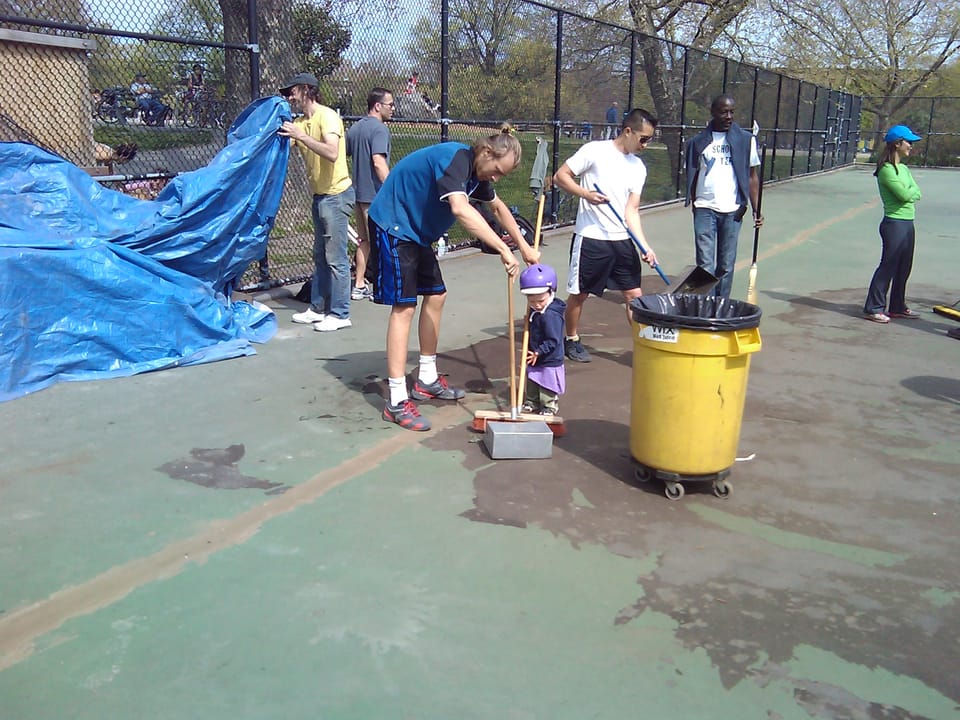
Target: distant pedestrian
[[412, 82], [153, 111], [195, 82], [546, 377], [721, 167], [425, 193], [319, 135], [898, 192], [368, 143], [613, 121]]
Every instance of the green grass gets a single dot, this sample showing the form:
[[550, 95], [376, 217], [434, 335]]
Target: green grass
[[148, 138], [514, 189]]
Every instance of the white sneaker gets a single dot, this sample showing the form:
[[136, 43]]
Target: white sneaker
[[332, 322], [307, 317]]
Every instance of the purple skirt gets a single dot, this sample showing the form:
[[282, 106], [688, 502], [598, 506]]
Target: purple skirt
[[550, 378]]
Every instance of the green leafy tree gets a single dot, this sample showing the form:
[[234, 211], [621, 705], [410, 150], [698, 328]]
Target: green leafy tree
[[889, 51], [320, 40]]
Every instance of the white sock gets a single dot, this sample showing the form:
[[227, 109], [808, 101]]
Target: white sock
[[571, 337], [398, 390], [428, 369]]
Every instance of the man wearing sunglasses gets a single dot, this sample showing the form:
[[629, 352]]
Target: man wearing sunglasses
[[368, 144], [721, 165], [602, 255]]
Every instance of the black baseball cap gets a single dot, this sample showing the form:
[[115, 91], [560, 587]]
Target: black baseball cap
[[303, 78]]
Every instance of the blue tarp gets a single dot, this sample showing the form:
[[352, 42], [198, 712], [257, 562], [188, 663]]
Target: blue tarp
[[97, 284]]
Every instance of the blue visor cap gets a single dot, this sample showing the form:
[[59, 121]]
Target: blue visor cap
[[900, 132]]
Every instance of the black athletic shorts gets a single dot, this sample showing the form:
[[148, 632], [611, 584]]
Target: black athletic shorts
[[598, 265], [400, 270]]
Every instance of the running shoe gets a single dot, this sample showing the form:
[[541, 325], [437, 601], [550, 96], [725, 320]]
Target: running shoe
[[406, 416], [437, 390]]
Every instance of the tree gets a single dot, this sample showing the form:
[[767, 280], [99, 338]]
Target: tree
[[888, 51], [320, 40], [700, 25]]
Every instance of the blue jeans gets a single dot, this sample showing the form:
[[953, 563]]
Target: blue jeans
[[716, 236], [896, 262], [330, 287]]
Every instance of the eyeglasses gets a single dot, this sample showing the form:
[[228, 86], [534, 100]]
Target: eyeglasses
[[644, 139], [389, 104]]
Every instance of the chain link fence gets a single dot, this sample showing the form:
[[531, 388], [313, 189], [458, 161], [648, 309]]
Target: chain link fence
[[457, 68], [934, 118]]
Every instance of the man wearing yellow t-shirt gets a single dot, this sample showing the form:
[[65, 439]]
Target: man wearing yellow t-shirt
[[319, 135]]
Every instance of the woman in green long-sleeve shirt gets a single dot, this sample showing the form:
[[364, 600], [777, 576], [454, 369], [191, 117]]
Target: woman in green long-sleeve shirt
[[898, 192]]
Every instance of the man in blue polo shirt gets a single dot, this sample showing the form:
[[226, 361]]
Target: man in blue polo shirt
[[420, 200]]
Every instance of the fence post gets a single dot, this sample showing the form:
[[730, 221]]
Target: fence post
[[926, 150], [253, 33], [444, 68], [558, 60], [813, 125], [796, 126], [776, 128], [683, 121], [633, 69]]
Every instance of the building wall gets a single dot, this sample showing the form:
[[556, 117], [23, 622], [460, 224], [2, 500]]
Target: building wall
[[39, 66]]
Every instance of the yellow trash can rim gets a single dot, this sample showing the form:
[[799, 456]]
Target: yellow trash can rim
[[695, 312]]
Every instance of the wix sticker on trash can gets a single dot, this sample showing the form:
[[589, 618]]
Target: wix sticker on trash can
[[659, 334]]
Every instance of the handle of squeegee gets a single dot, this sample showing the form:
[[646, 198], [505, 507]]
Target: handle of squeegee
[[633, 237]]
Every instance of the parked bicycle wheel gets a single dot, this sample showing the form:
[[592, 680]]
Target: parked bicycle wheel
[[108, 112], [526, 229], [190, 114]]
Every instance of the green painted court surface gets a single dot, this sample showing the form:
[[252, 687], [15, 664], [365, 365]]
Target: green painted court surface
[[248, 539]]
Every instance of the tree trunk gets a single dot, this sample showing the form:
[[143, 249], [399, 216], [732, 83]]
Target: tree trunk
[[274, 38], [666, 99]]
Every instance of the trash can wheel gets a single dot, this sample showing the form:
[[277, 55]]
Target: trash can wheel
[[673, 490], [673, 482], [722, 488]]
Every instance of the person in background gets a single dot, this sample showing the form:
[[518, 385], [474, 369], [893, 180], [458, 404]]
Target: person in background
[[319, 135], [602, 254], [368, 143], [154, 111], [425, 193], [412, 83], [613, 121], [721, 165], [898, 192], [195, 85]]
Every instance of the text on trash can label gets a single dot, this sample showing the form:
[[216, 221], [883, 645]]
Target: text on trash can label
[[660, 334]]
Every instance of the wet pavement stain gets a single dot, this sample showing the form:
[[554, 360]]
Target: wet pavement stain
[[216, 468], [805, 573]]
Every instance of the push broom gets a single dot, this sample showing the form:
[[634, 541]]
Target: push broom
[[752, 281], [482, 417]]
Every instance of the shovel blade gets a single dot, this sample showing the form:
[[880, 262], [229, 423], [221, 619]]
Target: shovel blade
[[696, 281]]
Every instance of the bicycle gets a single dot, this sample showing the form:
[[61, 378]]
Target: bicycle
[[527, 230], [200, 110], [116, 105]]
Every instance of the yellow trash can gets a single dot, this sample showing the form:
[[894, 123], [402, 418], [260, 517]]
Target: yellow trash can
[[691, 358]]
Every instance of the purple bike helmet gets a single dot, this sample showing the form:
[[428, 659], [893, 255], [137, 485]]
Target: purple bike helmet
[[537, 279]]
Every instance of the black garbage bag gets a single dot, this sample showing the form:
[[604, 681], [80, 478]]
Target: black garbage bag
[[695, 312]]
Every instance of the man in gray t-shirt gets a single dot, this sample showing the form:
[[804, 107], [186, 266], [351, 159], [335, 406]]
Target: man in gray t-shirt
[[368, 144]]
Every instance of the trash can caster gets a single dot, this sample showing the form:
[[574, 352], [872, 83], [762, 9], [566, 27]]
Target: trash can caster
[[691, 359]]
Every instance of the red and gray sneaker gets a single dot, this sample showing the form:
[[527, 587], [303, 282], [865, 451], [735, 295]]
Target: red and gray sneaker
[[406, 416], [437, 390]]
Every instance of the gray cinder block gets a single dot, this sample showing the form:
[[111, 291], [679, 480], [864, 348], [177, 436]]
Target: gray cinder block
[[518, 440]]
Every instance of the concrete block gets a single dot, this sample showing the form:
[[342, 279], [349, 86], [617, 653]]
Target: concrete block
[[518, 440]]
